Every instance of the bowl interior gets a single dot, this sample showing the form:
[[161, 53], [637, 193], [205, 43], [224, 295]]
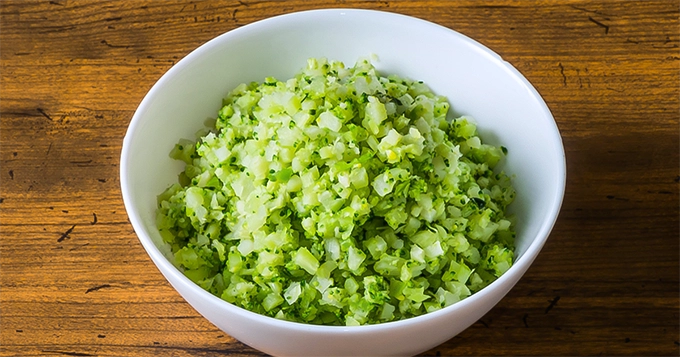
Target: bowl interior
[[476, 81]]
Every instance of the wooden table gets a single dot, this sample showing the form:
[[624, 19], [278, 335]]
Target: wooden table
[[75, 281]]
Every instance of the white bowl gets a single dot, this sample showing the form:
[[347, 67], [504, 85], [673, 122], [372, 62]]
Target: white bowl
[[477, 82]]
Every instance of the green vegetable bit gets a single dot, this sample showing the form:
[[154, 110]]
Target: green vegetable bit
[[339, 197]]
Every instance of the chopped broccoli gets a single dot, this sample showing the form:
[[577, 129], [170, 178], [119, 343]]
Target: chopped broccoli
[[339, 197]]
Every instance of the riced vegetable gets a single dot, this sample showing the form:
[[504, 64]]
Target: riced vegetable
[[339, 197]]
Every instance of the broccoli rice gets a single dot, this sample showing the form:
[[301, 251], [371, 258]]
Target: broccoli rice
[[340, 197]]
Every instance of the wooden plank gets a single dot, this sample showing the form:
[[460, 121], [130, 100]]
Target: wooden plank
[[74, 279]]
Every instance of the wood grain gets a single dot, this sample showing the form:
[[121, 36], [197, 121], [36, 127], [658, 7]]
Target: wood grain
[[75, 281]]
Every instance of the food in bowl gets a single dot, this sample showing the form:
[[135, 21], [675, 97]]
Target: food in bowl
[[475, 80], [339, 197]]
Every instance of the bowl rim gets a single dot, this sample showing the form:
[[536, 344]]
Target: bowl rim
[[515, 272]]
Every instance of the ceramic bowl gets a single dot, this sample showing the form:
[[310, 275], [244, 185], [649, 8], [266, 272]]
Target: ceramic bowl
[[477, 82]]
